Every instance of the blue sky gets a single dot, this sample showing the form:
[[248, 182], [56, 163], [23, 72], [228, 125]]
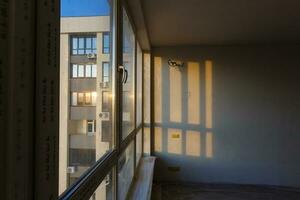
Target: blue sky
[[84, 8]]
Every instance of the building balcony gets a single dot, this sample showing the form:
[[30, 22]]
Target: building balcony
[[83, 84], [82, 141], [82, 112]]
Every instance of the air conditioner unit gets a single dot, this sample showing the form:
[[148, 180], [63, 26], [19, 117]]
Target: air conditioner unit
[[91, 55], [104, 84], [104, 116], [71, 169]]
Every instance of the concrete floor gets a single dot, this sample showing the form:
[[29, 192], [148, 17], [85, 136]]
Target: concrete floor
[[175, 191]]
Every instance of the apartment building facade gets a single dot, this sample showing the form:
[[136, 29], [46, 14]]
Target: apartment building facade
[[85, 97]]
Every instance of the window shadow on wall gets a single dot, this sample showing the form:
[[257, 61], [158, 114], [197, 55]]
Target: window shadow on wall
[[183, 108]]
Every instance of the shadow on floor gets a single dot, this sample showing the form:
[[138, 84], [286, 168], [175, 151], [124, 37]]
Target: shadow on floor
[[186, 191]]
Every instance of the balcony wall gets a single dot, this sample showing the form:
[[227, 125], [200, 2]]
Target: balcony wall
[[229, 115], [83, 113], [82, 141], [83, 84]]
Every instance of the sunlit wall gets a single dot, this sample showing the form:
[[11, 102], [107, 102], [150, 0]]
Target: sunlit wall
[[229, 115]]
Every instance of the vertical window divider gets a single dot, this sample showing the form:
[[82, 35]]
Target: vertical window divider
[[142, 121], [117, 41], [135, 101], [152, 135]]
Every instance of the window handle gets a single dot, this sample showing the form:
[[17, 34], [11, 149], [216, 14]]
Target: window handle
[[126, 76], [122, 69]]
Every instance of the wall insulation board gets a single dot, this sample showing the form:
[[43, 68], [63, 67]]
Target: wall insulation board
[[3, 89], [47, 99], [29, 80], [19, 98]]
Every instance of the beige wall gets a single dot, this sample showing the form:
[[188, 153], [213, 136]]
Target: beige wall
[[63, 112], [85, 24], [231, 115]]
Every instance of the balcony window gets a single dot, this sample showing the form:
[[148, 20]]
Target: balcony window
[[74, 71], [88, 70], [84, 98], [91, 126], [84, 71], [82, 157], [88, 99], [105, 72], [83, 45], [91, 112], [106, 43], [94, 71], [80, 71], [74, 99], [80, 99]]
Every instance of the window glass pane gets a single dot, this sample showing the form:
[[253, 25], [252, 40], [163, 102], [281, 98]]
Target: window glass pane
[[81, 52], [106, 69], [139, 86], [106, 43], [74, 98], [91, 127], [80, 70], [128, 86], [88, 98], [105, 189], [139, 146], [125, 172], [80, 99], [105, 101], [105, 72], [88, 42], [106, 110], [81, 43], [88, 51], [74, 52], [94, 43], [74, 71], [88, 70], [79, 147], [74, 43], [80, 157], [94, 98], [94, 70]]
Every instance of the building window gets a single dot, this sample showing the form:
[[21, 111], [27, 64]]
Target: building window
[[83, 45], [82, 157], [84, 71], [94, 71], [106, 42], [80, 99], [88, 99], [83, 98], [91, 126], [88, 70], [74, 71], [74, 99], [105, 72]]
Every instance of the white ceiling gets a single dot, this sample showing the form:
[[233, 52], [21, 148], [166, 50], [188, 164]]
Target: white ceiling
[[222, 22]]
